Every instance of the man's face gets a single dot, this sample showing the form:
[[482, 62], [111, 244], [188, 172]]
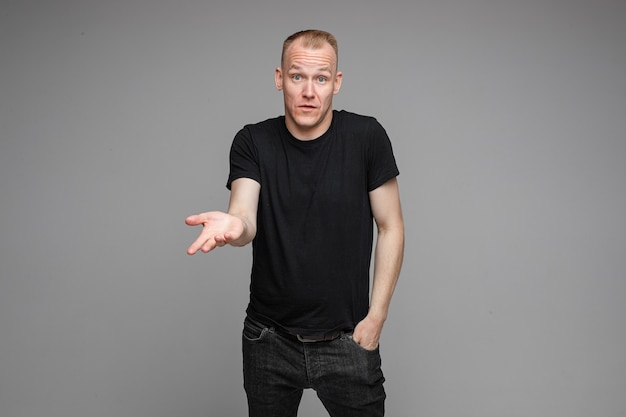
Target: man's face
[[308, 79]]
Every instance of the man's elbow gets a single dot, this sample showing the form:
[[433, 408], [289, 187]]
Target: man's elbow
[[394, 230]]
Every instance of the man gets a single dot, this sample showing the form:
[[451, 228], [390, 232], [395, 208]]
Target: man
[[305, 189]]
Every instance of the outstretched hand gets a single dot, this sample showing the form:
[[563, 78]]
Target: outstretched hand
[[218, 229]]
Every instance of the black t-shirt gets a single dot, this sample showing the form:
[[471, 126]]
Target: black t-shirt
[[312, 250]]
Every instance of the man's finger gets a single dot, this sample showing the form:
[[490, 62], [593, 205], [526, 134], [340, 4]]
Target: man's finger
[[209, 246], [193, 249], [195, 220], [200, 244]]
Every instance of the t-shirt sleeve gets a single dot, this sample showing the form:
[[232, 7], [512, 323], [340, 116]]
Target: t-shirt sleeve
[[243, 158], [381, 162]]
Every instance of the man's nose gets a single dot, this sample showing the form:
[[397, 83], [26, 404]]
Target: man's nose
[[308, 89]]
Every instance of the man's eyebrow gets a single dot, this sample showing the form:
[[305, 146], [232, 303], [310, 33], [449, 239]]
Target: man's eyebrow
[[295, 67]]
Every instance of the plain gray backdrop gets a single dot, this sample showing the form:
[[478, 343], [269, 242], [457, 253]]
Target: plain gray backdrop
[[508, 120]]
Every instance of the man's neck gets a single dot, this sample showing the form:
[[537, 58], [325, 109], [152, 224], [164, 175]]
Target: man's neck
[[312, 133]]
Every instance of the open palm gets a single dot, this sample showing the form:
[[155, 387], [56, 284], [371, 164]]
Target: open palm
[[218, 229]]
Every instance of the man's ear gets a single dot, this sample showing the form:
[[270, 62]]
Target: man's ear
[[278, 78], [338, 79]]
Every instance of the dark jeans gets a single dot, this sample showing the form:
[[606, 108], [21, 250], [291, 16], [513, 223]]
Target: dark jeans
[[277, 368]]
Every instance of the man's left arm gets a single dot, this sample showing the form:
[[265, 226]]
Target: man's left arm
[[389, 251]]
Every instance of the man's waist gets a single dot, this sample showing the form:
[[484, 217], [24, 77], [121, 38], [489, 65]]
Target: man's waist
[[303, 335], [313, 337]]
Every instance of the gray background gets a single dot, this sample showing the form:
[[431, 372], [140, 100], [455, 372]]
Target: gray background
[[508, 119]]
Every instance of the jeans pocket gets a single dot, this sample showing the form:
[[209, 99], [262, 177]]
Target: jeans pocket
[[254, 331], [354, 342]]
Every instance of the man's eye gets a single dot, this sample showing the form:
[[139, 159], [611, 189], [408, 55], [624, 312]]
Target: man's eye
[[321, 80], [296, 77]]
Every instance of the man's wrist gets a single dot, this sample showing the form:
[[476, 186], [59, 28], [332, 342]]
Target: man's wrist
[[244, 238], [377, 316]]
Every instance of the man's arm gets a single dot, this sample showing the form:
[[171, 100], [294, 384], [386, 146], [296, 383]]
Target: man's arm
[[237, 227], [389, 251]]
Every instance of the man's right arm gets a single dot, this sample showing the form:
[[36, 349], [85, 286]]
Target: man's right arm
[[237, 227]]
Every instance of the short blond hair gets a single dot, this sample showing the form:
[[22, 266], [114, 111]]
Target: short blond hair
[[313, 39]]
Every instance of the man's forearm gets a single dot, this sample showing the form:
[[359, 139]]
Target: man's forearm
[[388, 258], [244, 199]]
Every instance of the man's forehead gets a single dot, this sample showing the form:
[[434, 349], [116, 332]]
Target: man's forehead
[[299, 44], [321, 58]]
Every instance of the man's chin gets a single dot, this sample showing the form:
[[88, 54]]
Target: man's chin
[[307, 121]]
